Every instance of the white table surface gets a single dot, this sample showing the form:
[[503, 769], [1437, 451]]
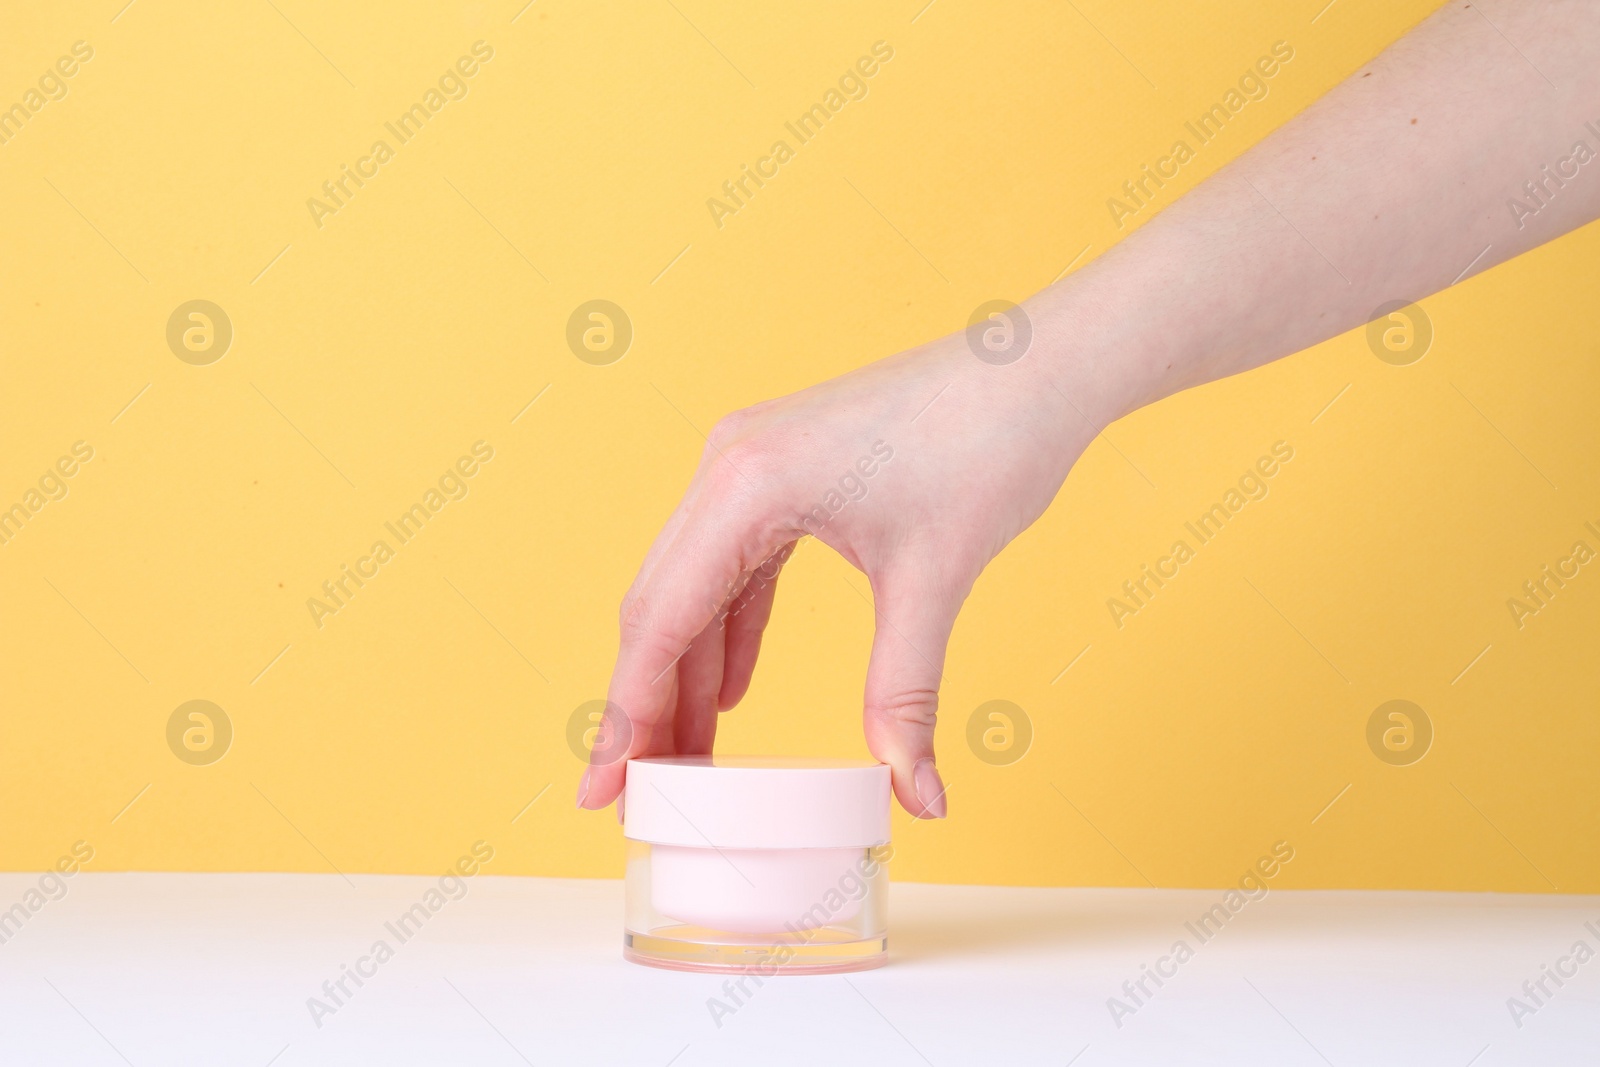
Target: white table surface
[[216, 969]]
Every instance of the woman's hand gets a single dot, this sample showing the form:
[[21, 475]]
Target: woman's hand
[[917, 470]]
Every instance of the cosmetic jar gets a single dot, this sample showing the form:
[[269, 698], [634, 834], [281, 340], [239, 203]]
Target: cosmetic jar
[[756, 864]]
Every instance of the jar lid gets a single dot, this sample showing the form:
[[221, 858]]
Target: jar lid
[[756, 802]]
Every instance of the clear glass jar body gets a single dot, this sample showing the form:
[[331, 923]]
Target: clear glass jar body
[[761, 911]]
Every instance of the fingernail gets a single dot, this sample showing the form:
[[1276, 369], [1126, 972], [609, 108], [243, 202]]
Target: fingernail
[[930, 788], [583, 787]]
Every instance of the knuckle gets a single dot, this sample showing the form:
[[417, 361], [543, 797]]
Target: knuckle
[[646, 627], [742, 458], [637, 620], [917, 707], [627, 614], [728, 430], [638, 623], [737, 452], [741, 423]]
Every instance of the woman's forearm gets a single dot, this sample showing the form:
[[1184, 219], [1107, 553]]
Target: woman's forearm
[[1466, 143]]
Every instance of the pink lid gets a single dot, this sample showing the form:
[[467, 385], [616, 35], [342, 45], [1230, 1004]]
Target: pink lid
[[757, 802]]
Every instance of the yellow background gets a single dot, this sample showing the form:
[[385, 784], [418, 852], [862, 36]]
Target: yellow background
[[370, 353]]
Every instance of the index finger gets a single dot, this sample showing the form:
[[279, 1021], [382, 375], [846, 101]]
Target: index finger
[[687, 586]]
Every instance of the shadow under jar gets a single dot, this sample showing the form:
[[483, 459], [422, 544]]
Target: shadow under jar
[[757, 864]]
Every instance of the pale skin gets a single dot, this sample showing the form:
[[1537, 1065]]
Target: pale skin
[[1388, 188]]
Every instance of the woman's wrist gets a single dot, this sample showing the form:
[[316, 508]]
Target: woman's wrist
[[1092, 356]]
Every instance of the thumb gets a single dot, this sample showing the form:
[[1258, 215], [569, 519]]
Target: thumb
[[914, 617]]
